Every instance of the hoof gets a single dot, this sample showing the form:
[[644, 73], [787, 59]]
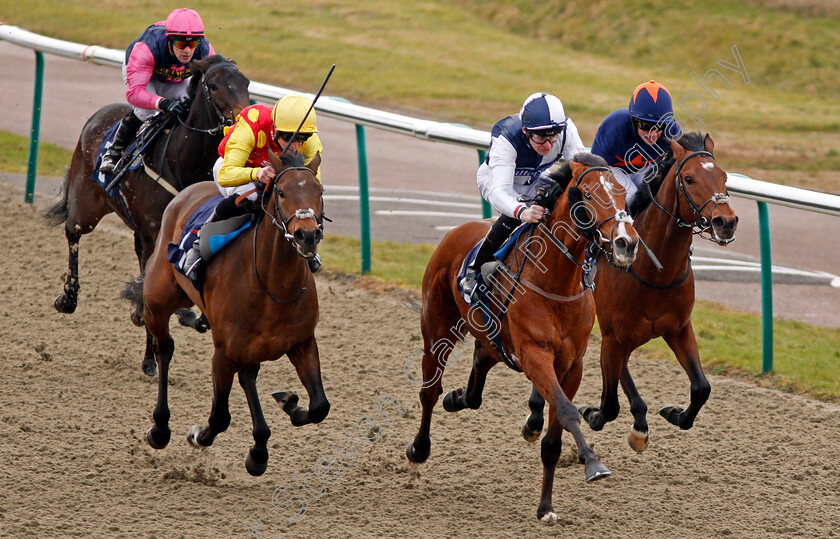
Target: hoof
[[671, 414], [415, 456], [137, 317], [287, 399], [550, 518], [255, 468], [202, 325], [453, 401], [192, 437], [638, 440], [158, 441], [592, 416], [149, 366], [65, 305], [530, 435], [595, 471]]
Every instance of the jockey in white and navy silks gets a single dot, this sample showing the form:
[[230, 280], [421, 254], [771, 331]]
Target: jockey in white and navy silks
[[522, 147], [632, 139], [157, 71]]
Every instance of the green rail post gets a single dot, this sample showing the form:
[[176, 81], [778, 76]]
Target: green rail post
[[35, 131], [364, 202], [766, 289], [486, 209]]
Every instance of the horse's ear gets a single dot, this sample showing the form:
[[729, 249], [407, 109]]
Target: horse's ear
[[709, 144], [577, 169], [275, 160], [315, 163], [678, 150]]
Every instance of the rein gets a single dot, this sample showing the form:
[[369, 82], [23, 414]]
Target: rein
[[220, 120]]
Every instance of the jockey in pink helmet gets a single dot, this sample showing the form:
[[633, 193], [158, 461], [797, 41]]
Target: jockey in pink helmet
[[156, 70]]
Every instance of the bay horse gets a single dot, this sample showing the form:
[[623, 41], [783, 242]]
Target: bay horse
[[545, 329], [259, 297], [218, 91], [637, 304]]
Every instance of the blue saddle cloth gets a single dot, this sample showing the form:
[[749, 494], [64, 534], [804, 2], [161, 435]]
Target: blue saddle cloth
[[105, 180], [176, 252], [499, 255]]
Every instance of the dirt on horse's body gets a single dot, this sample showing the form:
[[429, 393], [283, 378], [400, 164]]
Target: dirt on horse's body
[[545, 338], [634, 308], [182, 156], [259, 297]]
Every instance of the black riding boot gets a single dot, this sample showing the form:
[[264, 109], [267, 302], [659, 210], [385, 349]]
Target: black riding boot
[[494, 240], [226, 209], [125, 134]]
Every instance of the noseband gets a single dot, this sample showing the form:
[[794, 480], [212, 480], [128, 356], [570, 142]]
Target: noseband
[[702, 224], [280, 221]]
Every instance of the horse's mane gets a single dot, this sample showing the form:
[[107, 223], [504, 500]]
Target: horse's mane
[[292, 159], [692, 141], [199, 67]]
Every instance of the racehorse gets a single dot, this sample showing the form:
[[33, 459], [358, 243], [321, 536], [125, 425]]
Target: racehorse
[[545, 331], [259, 297], [640, 303], [218, 92]]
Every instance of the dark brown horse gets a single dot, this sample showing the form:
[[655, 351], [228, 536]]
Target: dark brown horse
[[548, 316], [259, 297], [181, 157], [642, 303]]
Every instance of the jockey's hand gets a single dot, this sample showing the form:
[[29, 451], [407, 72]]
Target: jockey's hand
[[173, 107], [266, 174], [532, 214]]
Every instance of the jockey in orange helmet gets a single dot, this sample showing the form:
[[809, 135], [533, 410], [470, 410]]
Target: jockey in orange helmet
[[634, 138], [156, 69], [244, 161]]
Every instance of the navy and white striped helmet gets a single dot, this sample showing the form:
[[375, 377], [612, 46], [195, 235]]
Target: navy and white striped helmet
[[543, 112]]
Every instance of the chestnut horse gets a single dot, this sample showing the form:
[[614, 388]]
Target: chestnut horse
[[641, 303], [545, 329], [259, 297], [184, 156]]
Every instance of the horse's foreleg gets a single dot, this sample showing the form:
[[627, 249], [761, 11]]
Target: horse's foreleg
[[307, 363], [158, 435], [533, 424], [684, 345], [459, 399], [219, 421], [66, 302], [639, 432], [612, 360], [257, 458]]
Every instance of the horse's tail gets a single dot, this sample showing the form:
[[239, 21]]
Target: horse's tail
[[410, 303], [133, 292], [57, 213]]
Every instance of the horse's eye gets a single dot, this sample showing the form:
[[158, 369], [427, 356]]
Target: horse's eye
[[280, 193], [689, 180], [212, 87]]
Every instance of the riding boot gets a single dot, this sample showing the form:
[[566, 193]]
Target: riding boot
[[125, 134], [226, 209], [494, 240]]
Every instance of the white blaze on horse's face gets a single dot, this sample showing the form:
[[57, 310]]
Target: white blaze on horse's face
[[624, 245]]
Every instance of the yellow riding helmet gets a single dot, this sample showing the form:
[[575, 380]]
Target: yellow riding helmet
[[288, 114]]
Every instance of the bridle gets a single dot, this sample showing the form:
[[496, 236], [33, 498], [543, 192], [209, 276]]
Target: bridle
[[282, 223], [220, 121], [701, 225]]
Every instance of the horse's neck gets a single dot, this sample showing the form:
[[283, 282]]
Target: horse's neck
[[551, 269], [185, 156], [276, 257], [663, 236]]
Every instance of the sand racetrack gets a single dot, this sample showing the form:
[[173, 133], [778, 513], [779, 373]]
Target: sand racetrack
[[76, 406]]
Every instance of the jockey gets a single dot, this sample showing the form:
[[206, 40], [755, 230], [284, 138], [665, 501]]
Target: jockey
[[522, 147], [243, 166], [633, 139], [157, 69]]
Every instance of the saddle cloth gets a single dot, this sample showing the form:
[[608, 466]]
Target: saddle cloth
[[498, 255], [214, 237]]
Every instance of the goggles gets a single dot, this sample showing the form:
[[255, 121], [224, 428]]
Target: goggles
[[645, 125], [543, 138], [286, 136], [182, 44]]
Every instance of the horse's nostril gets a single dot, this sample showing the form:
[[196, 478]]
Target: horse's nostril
[[620, 244], [300, 236], [718, 222]]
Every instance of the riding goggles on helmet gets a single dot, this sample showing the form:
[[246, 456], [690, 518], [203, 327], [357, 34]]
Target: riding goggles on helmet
[[286, 137], [184, 44], [645, 125]]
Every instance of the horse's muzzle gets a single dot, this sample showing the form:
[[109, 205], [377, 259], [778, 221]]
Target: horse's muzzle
[[724, 229], [306, 241]]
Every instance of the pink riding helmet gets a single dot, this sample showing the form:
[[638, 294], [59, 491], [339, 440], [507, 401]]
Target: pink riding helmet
[[185, 23]]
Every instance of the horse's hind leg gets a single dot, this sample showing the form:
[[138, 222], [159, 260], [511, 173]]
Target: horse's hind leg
[[257, 459], [533, 424], [219, 421], [158, 435], [459, 399], [307, 363], [684, 345], [639, 432], [66, 302]]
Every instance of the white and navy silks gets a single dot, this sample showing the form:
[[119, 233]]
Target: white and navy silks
[[630, 158], [513, 168]]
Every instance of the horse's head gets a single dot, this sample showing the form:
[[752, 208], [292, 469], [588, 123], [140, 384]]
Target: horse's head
[[297, 202], [221, 89], [595, 204], [701, 183]]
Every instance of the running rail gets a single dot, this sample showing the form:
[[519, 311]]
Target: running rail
[[341, 109]]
